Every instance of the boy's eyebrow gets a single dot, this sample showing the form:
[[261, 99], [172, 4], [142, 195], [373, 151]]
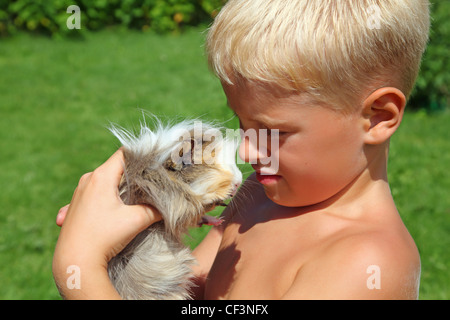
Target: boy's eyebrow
[[270, 121], [263, 119]]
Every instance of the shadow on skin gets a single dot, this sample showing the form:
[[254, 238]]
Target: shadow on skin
[[231, 256]]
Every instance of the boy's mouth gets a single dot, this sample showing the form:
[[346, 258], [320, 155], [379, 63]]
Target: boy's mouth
[[265, 178]]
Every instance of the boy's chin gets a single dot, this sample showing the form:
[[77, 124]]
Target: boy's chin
[[282, 197]]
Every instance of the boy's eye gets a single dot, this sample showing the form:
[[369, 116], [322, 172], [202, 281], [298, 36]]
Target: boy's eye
[[276, 132]]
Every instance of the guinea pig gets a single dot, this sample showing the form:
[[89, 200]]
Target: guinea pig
[[182, 170]]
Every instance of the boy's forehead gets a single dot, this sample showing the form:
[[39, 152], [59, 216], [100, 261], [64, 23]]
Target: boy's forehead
[[265, 95]]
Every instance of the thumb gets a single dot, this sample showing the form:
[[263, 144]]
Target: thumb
[[146, 215], [62, 215]]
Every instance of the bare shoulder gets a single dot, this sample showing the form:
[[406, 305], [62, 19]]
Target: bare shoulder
[[372, 264]]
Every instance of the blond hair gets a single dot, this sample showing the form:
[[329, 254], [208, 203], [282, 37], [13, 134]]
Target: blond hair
[[332, 49]]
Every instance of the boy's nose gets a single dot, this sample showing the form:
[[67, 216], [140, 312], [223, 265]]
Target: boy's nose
[[248, 150]]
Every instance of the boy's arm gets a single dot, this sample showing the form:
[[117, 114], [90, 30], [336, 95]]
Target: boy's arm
[[205, 253], [83, 281], [361, 268]]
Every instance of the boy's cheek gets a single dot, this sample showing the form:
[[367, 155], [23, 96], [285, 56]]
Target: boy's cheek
[[310, 182]]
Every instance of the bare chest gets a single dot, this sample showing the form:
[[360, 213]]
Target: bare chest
[[256, 262]]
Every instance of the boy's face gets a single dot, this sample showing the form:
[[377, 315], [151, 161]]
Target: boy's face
[[320, 150]]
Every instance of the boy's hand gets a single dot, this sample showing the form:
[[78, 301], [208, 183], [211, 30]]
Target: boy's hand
[[97, 225]]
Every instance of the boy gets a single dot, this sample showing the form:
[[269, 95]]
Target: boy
[[333, 78]]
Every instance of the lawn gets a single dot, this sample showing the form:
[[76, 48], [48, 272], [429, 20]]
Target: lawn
[[58, 96]]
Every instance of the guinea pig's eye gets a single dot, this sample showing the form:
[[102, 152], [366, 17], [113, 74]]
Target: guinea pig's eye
[[186, 163], [187, 153], [173, 166]]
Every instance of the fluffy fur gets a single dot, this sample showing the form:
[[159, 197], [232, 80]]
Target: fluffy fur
[[183, 171]]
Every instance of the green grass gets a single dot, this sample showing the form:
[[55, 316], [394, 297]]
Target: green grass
[[58, 96], [420, 183]]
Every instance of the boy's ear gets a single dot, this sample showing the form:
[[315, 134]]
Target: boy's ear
[[383, 113]]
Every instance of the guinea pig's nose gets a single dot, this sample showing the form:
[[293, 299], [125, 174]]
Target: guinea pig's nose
[[235, 189]]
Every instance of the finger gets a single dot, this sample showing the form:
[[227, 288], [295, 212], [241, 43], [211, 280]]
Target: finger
[[154, 214], [149, 215], [112, 170], [62, 215]]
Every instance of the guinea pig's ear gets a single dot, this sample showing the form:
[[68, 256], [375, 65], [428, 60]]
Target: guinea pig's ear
[[182, 156], [187, 152]]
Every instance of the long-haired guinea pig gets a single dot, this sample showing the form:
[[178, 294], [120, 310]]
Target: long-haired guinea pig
[[184, 171]]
